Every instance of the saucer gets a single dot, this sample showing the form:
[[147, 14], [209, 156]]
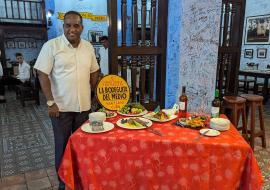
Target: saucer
[[106, 125]]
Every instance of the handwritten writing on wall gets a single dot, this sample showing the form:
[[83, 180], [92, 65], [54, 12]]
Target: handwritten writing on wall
[[199, 50]]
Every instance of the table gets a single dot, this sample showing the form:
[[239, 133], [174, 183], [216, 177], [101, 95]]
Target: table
[[139, 159], [265, 74]]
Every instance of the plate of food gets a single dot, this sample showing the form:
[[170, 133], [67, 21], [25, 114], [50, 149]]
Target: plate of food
[[133, 109], [160, 116], [134, 123], [109, 114], [194, 122]]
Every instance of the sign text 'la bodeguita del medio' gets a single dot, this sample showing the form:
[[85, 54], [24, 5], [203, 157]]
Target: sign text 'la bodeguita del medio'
[[113, 92]]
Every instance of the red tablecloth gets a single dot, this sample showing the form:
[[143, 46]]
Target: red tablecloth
[[140, 160]]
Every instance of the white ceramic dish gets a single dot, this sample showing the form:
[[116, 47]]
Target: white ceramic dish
[[149, 123], [106, 125], [97, 116], [133, 115], [210, 132], [220, 124], [150, 116], [169, 111]]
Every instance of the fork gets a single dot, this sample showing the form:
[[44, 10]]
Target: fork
[[199, 137], [155, 131]]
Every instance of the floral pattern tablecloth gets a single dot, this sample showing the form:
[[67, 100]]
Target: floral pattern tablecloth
[[140, 160]]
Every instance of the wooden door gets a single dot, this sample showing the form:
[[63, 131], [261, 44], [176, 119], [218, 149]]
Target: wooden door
[[145, 59], [230, 41]]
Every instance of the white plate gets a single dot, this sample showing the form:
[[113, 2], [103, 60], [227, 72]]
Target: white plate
[[114, 114], [106, 125], [134, 128], [133, 115], [150, 116], [210, 133]]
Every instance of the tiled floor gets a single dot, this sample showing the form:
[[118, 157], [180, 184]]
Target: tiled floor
[[43, 179]]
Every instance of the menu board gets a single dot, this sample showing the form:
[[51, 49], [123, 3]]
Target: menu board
[[112, 92]]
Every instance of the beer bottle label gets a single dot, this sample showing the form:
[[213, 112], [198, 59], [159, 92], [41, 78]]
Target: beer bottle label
[[215, 112]]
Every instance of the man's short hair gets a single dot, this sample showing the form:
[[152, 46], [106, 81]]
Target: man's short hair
[[73, 13], [18, 54], [103, 38]]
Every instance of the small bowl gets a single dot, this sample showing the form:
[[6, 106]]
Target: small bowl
[[220, 124], [169, 111], [97, 116]]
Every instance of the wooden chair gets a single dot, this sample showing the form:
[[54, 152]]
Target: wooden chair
[[141, 77], [237, 106], [253, 102], [245, 84], [29, 91]]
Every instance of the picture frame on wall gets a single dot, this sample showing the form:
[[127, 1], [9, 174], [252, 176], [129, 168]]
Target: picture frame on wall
[[248, 53], [261, 53], [257, 30], [10, 44], [94, 36], [21, 45]]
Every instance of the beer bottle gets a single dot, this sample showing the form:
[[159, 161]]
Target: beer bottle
[[215, 105]]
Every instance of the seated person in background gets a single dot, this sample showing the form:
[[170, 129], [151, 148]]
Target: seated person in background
[[21, 78], [103, 54], [2, 98]]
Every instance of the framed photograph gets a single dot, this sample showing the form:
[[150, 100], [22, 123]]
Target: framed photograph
[[257, 30], [248, 53], [10, 44], [93, 36], [31, 44], [261, 53], [21, 45]]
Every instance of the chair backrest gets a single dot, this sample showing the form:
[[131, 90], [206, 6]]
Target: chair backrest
[[140, 78]]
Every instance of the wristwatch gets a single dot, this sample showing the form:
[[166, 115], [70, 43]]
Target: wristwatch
[[50, 103]]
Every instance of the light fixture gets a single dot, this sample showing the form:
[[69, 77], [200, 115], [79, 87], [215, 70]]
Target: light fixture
[[49, 15]]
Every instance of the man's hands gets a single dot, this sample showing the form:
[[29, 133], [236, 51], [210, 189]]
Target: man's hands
[[53, 110]]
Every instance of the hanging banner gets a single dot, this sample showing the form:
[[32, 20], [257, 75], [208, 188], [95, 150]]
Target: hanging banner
[[112, 92], [86, 15]]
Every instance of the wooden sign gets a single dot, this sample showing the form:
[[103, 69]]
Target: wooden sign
[[112, 92]]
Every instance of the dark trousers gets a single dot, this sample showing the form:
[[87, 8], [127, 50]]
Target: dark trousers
[[63, 127], [8, 81]]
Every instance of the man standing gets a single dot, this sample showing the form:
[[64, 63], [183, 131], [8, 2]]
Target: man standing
[[22, 77], [67, 67], [103, 54]]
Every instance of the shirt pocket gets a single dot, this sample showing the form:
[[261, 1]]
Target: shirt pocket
[[65, 62]]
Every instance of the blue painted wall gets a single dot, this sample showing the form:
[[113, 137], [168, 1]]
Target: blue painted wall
[[173, 52], [95, 7], [49, 5], [255, 8]]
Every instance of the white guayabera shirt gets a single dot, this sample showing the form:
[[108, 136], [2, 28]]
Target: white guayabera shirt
[[1, 70], [24, 72], [69, 71]]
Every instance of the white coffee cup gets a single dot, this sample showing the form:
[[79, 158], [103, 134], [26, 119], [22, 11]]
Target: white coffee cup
[[97, 116]]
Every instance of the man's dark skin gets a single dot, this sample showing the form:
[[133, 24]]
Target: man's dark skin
[[72, 30]]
